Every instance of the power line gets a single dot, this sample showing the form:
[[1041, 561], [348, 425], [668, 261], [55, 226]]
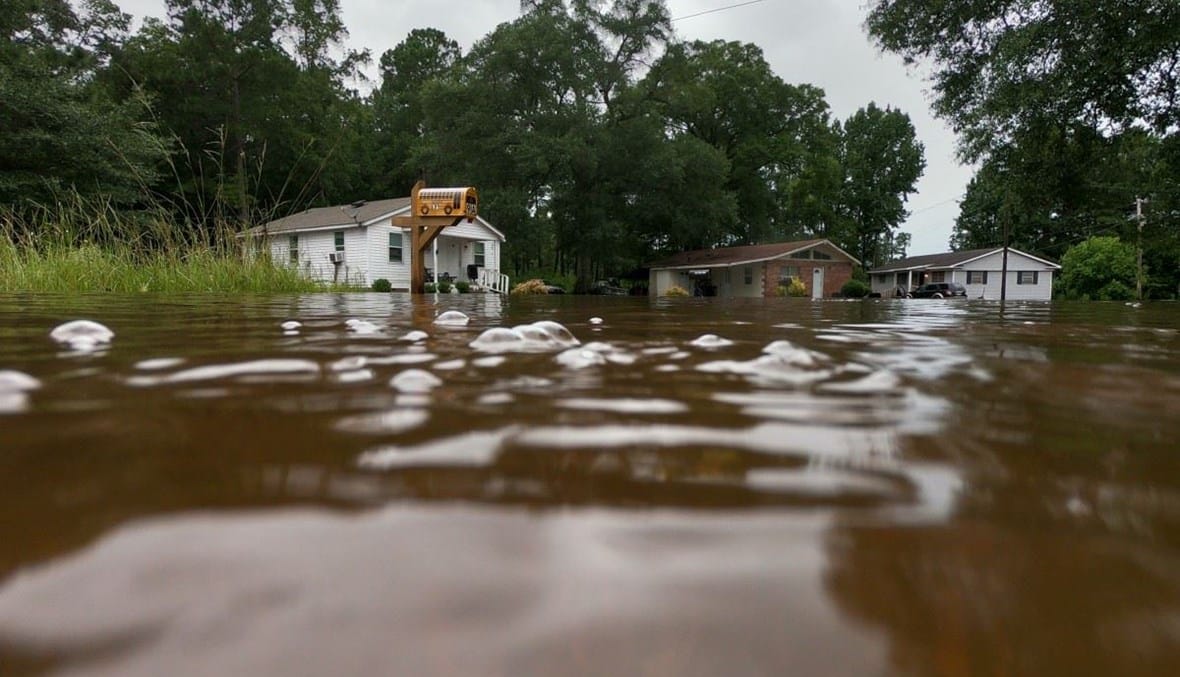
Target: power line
[[718, 9]]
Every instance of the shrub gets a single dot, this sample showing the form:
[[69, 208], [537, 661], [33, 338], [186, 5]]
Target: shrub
[[430, 287], [463, 286], [854, 289], [793, 287], [1100, 269], [534, 286], [676, 290], [382, 285], [444, 287]]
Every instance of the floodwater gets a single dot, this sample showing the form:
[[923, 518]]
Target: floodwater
[[340, 485]]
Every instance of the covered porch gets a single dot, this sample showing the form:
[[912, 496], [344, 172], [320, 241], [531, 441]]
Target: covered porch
[[474, 260]]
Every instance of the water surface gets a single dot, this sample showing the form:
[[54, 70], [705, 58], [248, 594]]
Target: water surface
[[337, 484]]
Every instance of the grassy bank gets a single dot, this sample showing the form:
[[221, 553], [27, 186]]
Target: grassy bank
[[55, 250]]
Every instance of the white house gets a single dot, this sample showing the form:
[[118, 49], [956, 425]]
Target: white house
[[978, 270], [358, 243]]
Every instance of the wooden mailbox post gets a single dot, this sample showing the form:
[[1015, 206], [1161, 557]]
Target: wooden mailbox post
[[431, 210]]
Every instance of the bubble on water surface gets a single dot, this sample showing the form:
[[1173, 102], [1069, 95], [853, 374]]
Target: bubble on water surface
[[362, 327], [415, 381], [450, 365], [536, 337], [596, 320], [355, 376], [291, 325], [349, 363], [496, 398], [452, 318], [789, 353], [82, 335], [489, 361], [415, 336], [879, 382], [711, 341], [14, 386], [15, 382], [625, 405], [408, 358], [580, 358], [470, 449]]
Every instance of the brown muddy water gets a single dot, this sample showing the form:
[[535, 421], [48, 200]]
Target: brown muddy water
[[697, 487]]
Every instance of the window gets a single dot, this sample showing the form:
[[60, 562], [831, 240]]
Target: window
[[338, 237], [802, 255], [821, 256], [293, 249], [938, 276], [976, 277], [478, 250], [1026, 277], [749, 273], [395, 247], [788, 272]]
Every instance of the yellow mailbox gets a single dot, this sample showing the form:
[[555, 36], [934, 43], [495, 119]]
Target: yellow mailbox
[[452, 202]]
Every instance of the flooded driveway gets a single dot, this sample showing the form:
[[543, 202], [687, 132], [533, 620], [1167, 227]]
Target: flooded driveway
[[372, 484]]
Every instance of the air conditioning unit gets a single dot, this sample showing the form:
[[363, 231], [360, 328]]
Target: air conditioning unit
[[336, 257]]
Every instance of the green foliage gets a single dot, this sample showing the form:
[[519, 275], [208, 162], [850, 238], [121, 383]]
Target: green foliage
[[1100, 269], [854, 289], [463, 286], [429, 288], [795, 288], [381, 285], [444, 287]]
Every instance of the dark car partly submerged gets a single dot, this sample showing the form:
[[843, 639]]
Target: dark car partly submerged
[[940, 290]]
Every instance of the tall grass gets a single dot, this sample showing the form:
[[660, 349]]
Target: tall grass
[[81, 246]]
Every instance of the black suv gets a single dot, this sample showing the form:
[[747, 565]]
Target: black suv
[[939, 290]]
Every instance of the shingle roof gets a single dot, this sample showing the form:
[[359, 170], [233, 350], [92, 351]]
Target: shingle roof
[[730, 256], [947, 260], [340, 215]]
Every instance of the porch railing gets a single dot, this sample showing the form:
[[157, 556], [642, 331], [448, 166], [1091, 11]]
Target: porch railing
[[493, 280]]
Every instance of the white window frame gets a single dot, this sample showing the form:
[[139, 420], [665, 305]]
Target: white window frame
[[1020, 277], [293, 248], [400, 247], [981, 274]]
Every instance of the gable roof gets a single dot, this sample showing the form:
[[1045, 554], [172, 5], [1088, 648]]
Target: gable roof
[[950, 260], [722, 257], [361, 213]]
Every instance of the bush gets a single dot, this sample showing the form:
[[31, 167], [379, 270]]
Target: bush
[[444, 287], [382, 285], [463, 286], [534, 286], [676, 290], [854, 289], [794, 287], [430, 287], [1100, 269]]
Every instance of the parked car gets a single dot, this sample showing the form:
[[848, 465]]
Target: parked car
[[607, 288], [939, 290], [551, 288]]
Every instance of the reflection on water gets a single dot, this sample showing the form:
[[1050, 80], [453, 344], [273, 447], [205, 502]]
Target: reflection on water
[[381, 484]]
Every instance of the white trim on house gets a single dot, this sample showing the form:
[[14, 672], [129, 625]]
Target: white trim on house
[[885, 279]]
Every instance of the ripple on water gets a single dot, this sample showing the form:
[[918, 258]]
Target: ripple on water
[[362, 327], [253, 368], [415, 381], [469, 449], [384, 422], [14, 389], [452, 318]]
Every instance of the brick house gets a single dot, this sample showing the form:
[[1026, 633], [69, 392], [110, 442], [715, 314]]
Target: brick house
[[754, 271]]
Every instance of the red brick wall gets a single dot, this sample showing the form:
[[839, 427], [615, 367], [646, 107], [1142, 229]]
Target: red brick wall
[[836, 273]]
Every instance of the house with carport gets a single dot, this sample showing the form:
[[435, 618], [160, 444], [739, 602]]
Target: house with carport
[[978, 270], [754, 271], [357, 243]]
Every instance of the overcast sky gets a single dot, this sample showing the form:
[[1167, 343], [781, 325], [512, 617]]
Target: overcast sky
[[821, 42]]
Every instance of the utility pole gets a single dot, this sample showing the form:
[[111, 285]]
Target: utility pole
[[1139, 266], [1007, 215]]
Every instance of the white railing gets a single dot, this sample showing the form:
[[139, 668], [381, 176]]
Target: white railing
[[493, 280]]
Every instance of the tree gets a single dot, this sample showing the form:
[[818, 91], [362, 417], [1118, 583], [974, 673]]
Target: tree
[[1100, 269], [882, 161], [61, 133]]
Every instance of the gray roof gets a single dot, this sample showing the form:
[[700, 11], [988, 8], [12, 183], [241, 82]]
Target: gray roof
[[730, 256], [948, 260], [353, 214]]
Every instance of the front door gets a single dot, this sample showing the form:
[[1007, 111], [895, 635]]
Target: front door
[[817, 283]]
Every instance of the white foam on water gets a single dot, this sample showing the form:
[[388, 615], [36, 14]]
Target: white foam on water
[[496, 398], [879, 382], [14, 388], [383, 422], [580, 358], [596, 320], [789, 353], [356, 376], [415, 336], [291, 325], [470, 449], [350, 363], [452, 318], [159, 363], [82, 335], [363, 327], [415, 381], [272, 367], [625, 405], [489, 361], [450, 365]]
